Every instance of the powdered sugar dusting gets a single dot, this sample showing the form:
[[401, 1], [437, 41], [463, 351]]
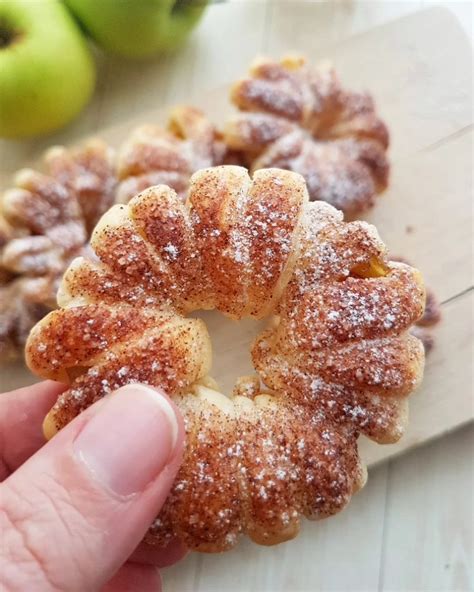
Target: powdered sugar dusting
[[337, 360], [299, 118]]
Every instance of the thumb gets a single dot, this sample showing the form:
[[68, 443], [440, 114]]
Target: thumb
[[74, 512]]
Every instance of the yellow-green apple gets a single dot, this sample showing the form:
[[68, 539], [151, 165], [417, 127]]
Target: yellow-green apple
[[47, 72], [138, 28]]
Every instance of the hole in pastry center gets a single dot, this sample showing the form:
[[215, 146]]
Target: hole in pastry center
[[231, 345]]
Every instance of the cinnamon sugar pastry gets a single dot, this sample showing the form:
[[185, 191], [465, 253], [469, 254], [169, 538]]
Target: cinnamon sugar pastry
[[153, 155], [297, 117], [337, 360], [45, 221], [430, 318]]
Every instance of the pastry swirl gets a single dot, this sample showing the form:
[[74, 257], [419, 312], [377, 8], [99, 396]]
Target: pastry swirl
[[297, 117], [45, 222], [336, 361]]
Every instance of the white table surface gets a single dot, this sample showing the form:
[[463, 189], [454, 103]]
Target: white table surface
[[411, 528]]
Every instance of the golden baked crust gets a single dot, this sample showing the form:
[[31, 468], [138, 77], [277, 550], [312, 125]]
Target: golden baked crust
[[422, 329], [337, 360], [45, 221], [255, 466], [154, 155], [296, 117]]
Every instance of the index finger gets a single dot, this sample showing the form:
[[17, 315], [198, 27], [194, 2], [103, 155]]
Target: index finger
[[21, 417]]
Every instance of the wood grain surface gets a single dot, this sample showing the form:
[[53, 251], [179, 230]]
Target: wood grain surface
[[409, 529]]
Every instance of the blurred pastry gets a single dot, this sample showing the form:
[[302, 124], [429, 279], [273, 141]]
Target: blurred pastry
[[431, 316], [154, 155], [45, 221], [298, 117]]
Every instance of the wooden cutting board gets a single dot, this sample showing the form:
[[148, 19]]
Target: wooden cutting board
[[419, 68]]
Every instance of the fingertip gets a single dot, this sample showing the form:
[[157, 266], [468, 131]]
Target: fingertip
[[116, 462], [22, 412], [166, 405], [130, 441], [44, 391]]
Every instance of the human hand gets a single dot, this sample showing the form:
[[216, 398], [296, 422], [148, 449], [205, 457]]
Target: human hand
[[72, 512]]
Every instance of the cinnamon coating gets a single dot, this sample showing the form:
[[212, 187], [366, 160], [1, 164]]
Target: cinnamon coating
[[336, 361], [423, 328], [45, 221], [154, 155], [296, 117], [254, 467]]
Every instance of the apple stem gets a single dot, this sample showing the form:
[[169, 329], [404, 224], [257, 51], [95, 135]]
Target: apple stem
[[178, 5]]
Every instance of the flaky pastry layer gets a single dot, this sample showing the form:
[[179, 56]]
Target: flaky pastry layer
[[337, 360]]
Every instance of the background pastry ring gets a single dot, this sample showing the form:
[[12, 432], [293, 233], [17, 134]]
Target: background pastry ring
[[299, 117]]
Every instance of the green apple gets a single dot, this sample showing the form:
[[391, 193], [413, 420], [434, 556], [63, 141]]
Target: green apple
[[47, 73], [138, 28]]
